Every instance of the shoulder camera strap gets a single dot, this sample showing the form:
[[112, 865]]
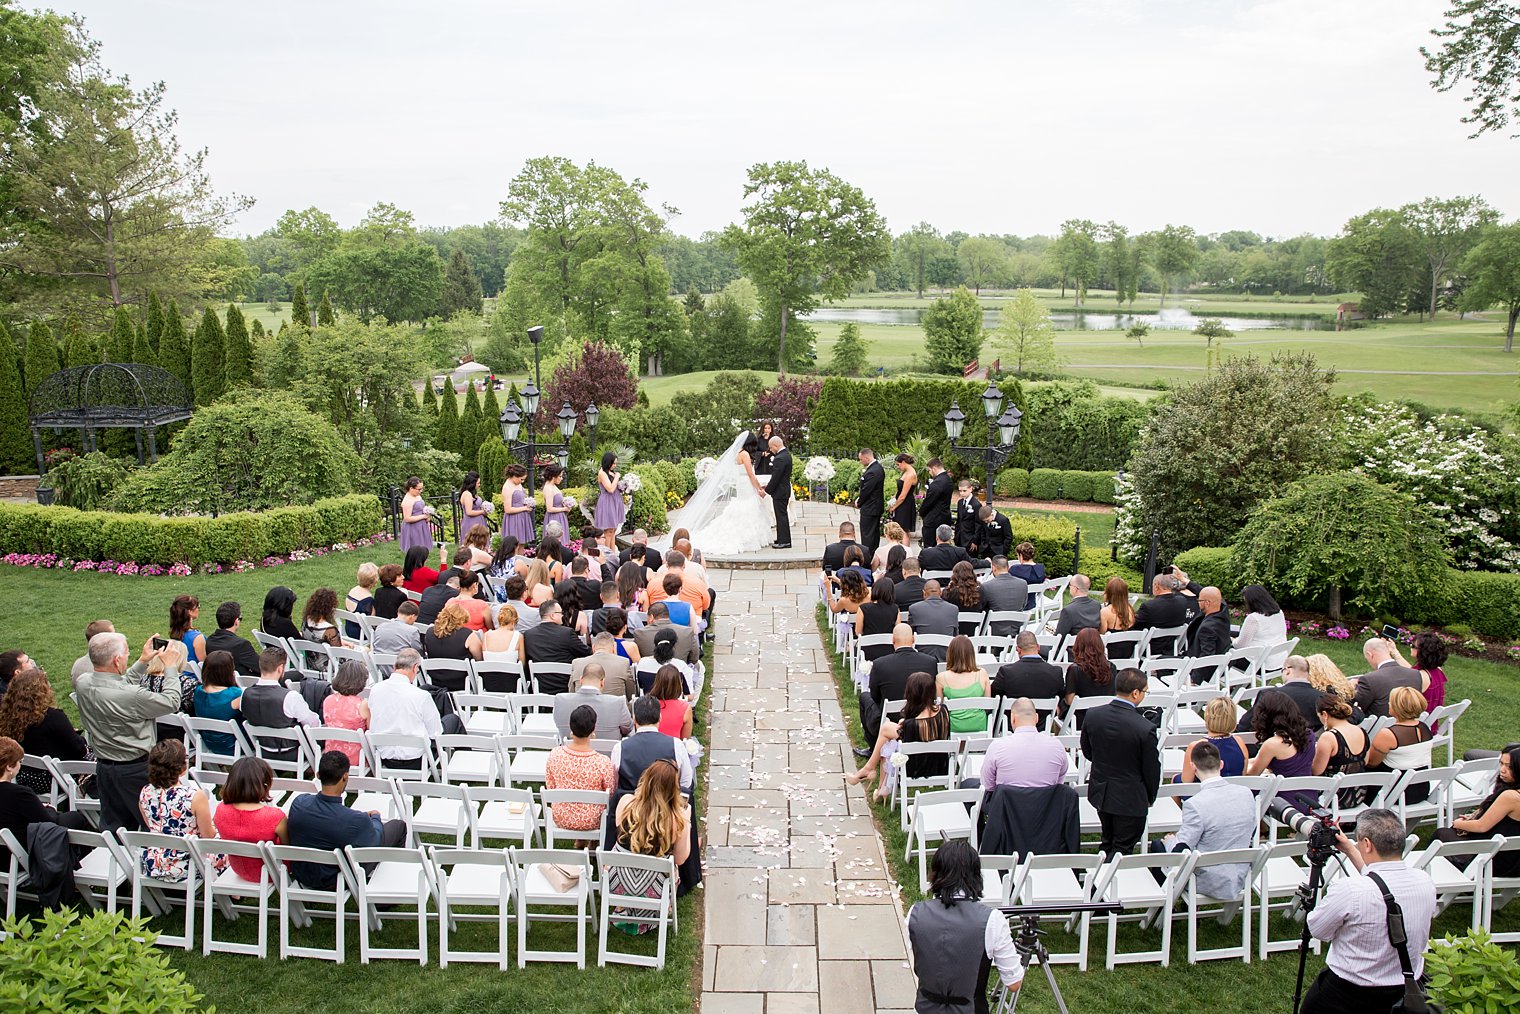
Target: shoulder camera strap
[[1414, 996]]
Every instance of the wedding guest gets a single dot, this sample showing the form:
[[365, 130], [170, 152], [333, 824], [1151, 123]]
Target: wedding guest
[[1117, 614], [472, 506], [539, 583], [1209, 633], [617, 671], [923, 721], [1091, 673], [936, 616], [273, 705], [1125, 772], [1373, 689], [469, 599], [1498, 814], [416, 574], [401, 632], [1219, 720], [29, 714], [361, 598], [669, 688], [686, 646], [966, 595], [551, 641], [663, 653], [119, 707], [1342, 746], [613, 720], [1029, 675], [323, 821], [1264, 625], [1033, 573], [944, 554], [1430, 654], [450, 637], [895, 538], [216, 697], [516, 590], [610, 509], [576, 764], [507, 559], [317, 624], [627, 644], [478, 542], [655, 820], [517, 506], [964, 678], [833, 553], [10, 666], [19, 806], [279, 605], [851, 594], [904, 508], [895, 557], [877, 616], [502, 643], [183, 612], [229, 618], [910, 590], [1285, 746], [1081, 613], [936, 503], [416, 518], [171, 808], [245, 813], [345, 709], [1327, 678], [389, 596]]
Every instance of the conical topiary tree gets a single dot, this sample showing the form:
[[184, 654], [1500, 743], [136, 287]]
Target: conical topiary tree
[[41, 355], [78, 349], [155, 324], [429, 399], [468, 440], [237, 358], [326, 316], [207, 354], [174, 347], [121, 343], [446, 436], [299, 314], [15, 444], [490, 416], [142, 351]]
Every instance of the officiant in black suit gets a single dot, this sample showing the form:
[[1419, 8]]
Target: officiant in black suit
[[936, 503], [779, 489], [872, 503]]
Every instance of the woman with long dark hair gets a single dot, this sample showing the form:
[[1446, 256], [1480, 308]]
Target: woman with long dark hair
[[895, 557], [1286, 746], [610, 509], [1429, 654], [504, 563], [964, 678], [1499, 814], [1264, 624], [1090, 674], [877, 616], [416, 523], [517, 506], [317, 624], [904, 508], [630, 583], [280, 604], [950, 927], [555, 511], [416, 575], [472, 507], [966, 594], [922, 721], [183, 612], [759, 447]]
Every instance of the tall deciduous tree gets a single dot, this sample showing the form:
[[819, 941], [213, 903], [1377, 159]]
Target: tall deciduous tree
[[1076, 251], [1376, 255], [174, 348], [461, 287], [807, 235], [953, 331], [1025, 335], [1172, 252], [1493, 276], [849, 359], [207, 359], [1481, 51], [237, 358], [1444, 230], [1121, 261], [984, 261], [918, 247]]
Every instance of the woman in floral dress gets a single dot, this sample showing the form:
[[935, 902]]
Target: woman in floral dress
[[168, 807]]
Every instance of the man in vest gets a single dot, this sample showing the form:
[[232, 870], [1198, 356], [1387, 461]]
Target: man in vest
[[647, 745], [269, 703], [956, 939]]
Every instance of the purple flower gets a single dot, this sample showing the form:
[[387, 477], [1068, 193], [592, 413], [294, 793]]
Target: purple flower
[[1338, 633]]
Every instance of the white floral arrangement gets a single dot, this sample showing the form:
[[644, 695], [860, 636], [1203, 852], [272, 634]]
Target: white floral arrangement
[[818, 469], [632, 483], [705, 468], [487, 505], [569, 503]]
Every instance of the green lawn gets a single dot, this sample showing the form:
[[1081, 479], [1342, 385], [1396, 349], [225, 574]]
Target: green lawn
[[662, 389], [1212, 985], [46, 616], [1097, 528]]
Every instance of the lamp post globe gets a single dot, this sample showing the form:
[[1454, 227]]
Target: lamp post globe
[[992, 401], [511, 422], [566, 417], [955, 421], [530, 397], [592, 414], [1008, 426]]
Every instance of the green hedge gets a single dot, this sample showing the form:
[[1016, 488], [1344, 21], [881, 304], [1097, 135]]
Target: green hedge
[[1053, 539], [1488, 603], [885, 414], [1073, 427], [148, 538], [1057, 484], [1098, 565], [647, 507], [1012, 482], [1045, 484]]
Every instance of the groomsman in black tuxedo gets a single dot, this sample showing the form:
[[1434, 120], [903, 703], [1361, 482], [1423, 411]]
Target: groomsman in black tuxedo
[[780, 491], [935, 507], [968, 516], [872, 504]]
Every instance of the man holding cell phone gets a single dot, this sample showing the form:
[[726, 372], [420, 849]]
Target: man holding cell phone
[[1372, 689]]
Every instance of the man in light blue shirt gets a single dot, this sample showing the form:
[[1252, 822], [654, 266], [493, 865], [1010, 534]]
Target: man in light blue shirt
[[1220, 815]]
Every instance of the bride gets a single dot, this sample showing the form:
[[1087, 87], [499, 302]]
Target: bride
[[727, 514]]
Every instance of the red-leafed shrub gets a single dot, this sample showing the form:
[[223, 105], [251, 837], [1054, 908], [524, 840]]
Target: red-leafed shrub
[[597, 374], [790, 405]]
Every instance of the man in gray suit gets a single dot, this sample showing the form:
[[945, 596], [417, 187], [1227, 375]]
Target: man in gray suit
[[659, 619], [1081, 612], [934, 615], [617, 674], [1372, 690], [1002, 592], [613, 721], [1220, 816]]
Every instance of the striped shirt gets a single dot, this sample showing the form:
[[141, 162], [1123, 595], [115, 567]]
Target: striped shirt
[[1353, 917]]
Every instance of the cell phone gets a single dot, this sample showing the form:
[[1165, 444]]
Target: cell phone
[[1390, 631], [159, 644]]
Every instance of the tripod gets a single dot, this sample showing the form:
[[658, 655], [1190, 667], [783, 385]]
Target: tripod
[[1308, 894], [1032, 952]]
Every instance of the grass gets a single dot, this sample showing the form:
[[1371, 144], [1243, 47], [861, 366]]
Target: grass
[[46, 617], [662, 389], [1210, 985]]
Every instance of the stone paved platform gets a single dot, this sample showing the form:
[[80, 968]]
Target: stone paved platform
[[801, 913], [814, 525]]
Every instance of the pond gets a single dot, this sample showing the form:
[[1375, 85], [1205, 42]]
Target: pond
[[1170, 319]]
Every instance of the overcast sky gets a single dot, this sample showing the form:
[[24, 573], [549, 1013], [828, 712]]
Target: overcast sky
[[1280, 116]]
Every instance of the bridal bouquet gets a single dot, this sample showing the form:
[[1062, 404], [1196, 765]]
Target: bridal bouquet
[[631, 483], [705, 468], [818, 469], [569, 502], [487, 505]]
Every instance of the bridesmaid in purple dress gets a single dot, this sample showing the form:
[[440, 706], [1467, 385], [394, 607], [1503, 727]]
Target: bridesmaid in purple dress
[[610, 509], [416, 529], [554, 501], [472, 512], [517, 508]]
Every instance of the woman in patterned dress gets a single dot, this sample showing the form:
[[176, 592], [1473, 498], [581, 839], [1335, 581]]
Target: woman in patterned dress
[[168, 807]]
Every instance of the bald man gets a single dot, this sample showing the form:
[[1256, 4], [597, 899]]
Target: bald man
[[1210, 633]]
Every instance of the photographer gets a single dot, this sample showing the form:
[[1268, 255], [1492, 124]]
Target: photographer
[[1362, 971], [956, 940]]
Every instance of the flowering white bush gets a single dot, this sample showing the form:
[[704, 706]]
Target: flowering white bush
[[1465, 476], [705, 467], [818, 469]]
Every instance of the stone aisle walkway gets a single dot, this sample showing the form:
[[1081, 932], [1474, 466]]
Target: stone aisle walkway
[[801, 916]]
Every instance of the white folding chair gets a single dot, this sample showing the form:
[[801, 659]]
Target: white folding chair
[[555, 834], [1126, 645], [1435, 807], [225, 889], [441, 809], [67, 774], [298, 901], [907, 786], [1128, 881], [859, 669], [1056, 880], [506, 814], [378, 794], [351, 625], [471, 759], [283, 749], [1005, 623], [487, 714], [1457, 882], [213, 751], [538, 898], [479, 879], [988, 706], [399, 878], [1248, 863], [1378, 789], [1236, 676], [641, 873], [535, 715], [1207, 670], [103, 869], [525, 757], [998, 878], [1174, 637], [452, 674], [270, 641], [1272, 660], [555, 674], [322, 738], [309, 656], [1473, 783], [1165, 816], [158, 892], [1501, 889], [1276, 884], [940, 816], [1322, 786], [397, 768], [1446, 715], [18, 869], [496, 677], [1078, 706]]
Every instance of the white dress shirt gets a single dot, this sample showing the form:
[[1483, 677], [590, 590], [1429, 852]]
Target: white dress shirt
[[678, 754], [998, 942], [1353, 917], [1259, 631], [397, 706]]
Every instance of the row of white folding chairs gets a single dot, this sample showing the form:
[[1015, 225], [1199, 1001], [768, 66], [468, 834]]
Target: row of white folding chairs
[[381, 881]]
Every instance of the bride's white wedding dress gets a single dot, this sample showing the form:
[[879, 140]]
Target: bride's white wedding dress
[[727, 515]]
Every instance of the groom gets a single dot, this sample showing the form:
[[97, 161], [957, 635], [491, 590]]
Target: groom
[[780, 490]]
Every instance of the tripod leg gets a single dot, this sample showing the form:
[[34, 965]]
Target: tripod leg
[[1055, 991]]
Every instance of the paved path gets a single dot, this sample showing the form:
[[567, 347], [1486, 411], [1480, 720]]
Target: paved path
[[801, 917]]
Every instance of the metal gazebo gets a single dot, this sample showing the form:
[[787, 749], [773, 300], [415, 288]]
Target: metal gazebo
[[103, 396]]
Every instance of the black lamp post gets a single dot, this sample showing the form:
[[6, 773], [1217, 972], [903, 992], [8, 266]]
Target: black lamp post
[[1002, 431], [512, 419]]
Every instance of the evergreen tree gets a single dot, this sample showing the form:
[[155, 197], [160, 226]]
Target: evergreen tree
[[41, 355], [490, 416], [325, 315], [141, 351], [155, 325], [15, 446], [695, 304], [121, 345], [238, 354], [429, 399], [849, 352], [78, 349], [447, 433], [174, 348], [208, 350], [299, 314], [287, 361], [468, 440], [256, 331], [461, 286]]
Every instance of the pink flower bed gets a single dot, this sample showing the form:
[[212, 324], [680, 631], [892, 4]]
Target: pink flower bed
[[130, 568]]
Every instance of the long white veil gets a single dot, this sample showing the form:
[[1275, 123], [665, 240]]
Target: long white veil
[[713, 495]]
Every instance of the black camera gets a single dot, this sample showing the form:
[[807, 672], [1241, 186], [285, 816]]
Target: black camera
[[1321, 828]]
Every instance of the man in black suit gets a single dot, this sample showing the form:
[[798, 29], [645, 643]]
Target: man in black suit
[[552, 641], [968, 514], [945, 554], [889, 680], [589, 591], [996, 535], [872, 503], [640, 541], [935, 507], [435, 598], [910, 589], [1004, 593], [1120, 744], [1209, 634], [1372, 690], [833, 553], [1165, 608], [779, 489], [245, 659], [1029, 675], [1081, 612]]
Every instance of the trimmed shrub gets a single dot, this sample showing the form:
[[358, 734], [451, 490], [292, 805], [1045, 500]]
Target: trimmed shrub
[[1045, 484], [1489, 602], [1078, 485], [88, 481], [1103, 488], [1211, 566], [670, 475], [1072, 427], [847, 476], [1012, 482], [647, 507], [239, 537], [26, 528], [688, 467], [1053, 540], [1098, 565]]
